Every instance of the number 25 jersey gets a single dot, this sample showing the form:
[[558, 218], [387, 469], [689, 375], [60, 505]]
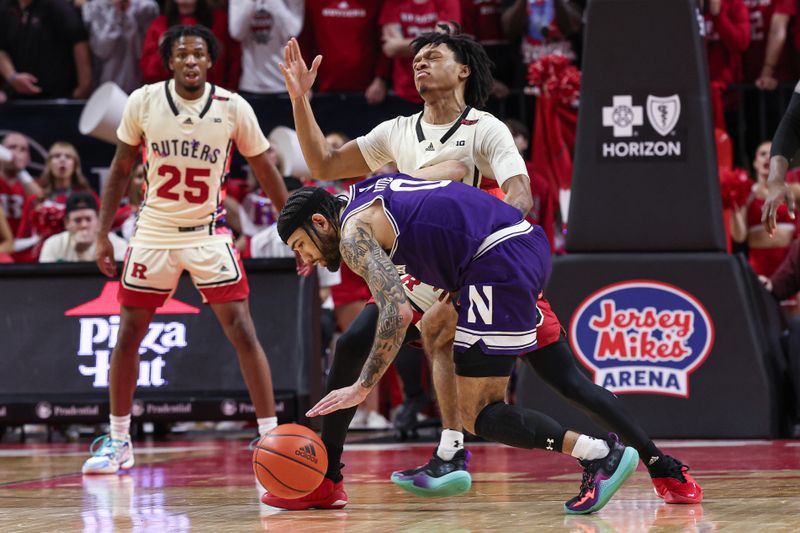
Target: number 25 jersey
[[187, 145]]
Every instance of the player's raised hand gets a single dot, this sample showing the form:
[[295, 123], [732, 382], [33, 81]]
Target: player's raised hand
[[104, 255], [298, 77], [778, 192], [339, 399]]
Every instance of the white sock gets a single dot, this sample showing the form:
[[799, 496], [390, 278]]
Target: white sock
[[266, 424], [589, 448], [449, 444], [120, 426]]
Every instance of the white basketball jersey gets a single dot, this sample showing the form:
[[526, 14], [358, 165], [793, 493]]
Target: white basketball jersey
[[187, 145], [476, 138]]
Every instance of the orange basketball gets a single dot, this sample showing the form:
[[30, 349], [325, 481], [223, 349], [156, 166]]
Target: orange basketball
[[290, 461]]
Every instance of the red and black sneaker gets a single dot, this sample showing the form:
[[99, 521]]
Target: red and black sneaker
[[675, 484], [328, 495]]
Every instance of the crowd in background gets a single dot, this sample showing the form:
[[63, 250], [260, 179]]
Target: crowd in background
[[52, 49]]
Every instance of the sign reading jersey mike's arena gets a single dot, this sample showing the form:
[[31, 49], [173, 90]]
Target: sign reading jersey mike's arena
[[642, 336], [642, 126]]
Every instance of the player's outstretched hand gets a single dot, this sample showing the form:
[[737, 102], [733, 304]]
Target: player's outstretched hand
[[777, 193], [299, 79], [339, 399], [105, 256]]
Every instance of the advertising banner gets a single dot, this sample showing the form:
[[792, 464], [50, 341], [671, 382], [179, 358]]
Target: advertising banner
[[60, 327], [690, 343]]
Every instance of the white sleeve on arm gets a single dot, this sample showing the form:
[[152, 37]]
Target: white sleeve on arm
[[130, 127], [497, 145], [247, 134], [240, 15], [376, 145]]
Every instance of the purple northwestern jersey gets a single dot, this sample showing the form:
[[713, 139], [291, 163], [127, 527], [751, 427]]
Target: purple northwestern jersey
[[440, 225]]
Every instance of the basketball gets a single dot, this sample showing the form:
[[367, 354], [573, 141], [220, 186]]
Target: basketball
[[290, 461]]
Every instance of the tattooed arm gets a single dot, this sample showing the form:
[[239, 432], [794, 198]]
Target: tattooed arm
[[364, 255]]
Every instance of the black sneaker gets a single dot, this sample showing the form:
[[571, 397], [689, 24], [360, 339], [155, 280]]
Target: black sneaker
[[437, 478], [603, 477]]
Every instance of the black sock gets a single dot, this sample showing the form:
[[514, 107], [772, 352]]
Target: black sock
[[658, 464], [518, 427]]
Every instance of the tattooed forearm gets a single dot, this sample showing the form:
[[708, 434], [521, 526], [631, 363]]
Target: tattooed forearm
[[363, 254]]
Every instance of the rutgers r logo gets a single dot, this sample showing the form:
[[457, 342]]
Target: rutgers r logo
[[138, 271]]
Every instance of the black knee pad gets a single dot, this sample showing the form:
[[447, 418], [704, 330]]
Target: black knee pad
[[521, 428]]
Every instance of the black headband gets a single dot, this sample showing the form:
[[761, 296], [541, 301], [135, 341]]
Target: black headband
[[294, 221]]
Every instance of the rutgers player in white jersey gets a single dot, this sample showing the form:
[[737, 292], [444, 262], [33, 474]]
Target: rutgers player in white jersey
[[186, 127]]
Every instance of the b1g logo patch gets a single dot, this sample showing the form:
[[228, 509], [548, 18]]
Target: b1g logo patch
[[642, 336]]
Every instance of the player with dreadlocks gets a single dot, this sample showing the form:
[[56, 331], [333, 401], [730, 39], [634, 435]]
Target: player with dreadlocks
[[452, 74]]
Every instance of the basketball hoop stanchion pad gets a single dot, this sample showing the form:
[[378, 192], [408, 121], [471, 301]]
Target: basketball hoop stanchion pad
[[654, 308]]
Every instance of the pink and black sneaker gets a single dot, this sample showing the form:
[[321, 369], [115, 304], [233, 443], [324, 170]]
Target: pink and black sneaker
[[603, 477]]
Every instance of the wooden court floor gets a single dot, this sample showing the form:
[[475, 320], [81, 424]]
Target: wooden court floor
[[208, 485]]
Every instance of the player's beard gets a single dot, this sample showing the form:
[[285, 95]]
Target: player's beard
[[329, 248]]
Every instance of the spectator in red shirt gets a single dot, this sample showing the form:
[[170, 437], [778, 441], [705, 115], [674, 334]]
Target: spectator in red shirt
[[227, 68], [353, 63], [16, 184], [727, 33], [43, 216], [765, 251], [401, 22], [767, 60]]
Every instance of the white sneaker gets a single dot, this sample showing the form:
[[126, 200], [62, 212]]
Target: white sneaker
[[359, 420], [109, 455], [375, 420]]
